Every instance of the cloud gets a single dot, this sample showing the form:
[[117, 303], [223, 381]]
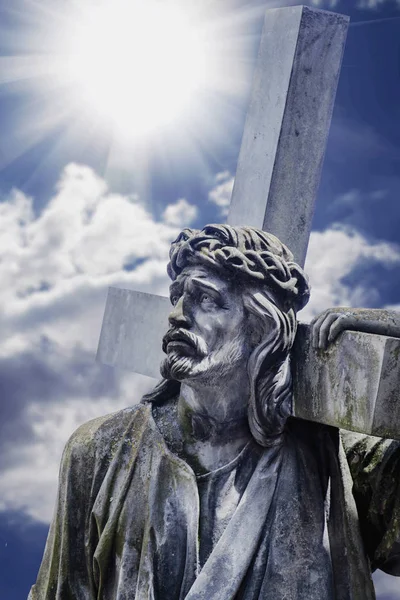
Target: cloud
[[55, 269], [332, 256], [221, 193], [181, 214], [355, 199]]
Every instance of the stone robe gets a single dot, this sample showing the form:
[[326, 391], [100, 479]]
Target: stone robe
[[277, 523]]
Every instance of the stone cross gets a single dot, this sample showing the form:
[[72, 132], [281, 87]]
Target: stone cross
[[352, 385]]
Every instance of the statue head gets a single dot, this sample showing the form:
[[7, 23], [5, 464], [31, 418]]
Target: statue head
[[236, 292]]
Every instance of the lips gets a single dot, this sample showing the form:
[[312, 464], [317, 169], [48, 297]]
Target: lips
[[181, 345]]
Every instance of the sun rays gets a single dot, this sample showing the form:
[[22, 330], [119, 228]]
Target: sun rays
[[133, 76]]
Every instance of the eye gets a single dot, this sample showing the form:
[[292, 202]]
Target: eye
[[207, 299], [174, 299]]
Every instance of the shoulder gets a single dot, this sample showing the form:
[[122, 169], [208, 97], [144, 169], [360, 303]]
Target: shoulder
[[97, 439]]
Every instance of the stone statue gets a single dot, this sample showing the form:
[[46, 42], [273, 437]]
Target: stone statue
[[209, 489]]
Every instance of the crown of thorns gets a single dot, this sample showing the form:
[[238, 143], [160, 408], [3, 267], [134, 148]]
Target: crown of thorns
[[248, 252]]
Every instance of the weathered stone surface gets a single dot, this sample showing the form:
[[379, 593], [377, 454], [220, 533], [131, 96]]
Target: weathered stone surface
[[287, 123], [354, 384]]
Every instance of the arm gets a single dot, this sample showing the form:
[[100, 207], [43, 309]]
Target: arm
[[375, 468]]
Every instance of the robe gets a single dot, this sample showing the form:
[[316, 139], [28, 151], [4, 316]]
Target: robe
[[296, 522]]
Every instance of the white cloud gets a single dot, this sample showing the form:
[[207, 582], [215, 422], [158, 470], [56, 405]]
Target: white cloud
[[69, 237], [332, 255], [180, 214], [223, 176], [221, 193]]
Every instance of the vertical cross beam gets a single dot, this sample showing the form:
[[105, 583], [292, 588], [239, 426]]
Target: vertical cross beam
[[287, 123], [278, 169]]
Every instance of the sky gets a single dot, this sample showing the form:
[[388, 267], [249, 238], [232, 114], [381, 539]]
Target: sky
[[96, 180]]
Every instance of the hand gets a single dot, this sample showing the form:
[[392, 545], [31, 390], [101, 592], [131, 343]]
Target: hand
[[329, 324]]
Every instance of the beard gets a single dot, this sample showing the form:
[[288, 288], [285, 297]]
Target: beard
[[184, 350], [198, 363], [178, 366]]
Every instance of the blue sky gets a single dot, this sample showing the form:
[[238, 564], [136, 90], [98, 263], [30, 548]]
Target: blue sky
[[81, 209]]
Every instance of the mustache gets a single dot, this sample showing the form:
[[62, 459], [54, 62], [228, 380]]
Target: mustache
[[184, 335]]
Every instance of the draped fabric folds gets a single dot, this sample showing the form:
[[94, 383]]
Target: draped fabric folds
[[126, 524]]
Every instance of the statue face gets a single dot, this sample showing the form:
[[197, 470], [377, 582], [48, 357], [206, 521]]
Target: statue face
[[207, 338]]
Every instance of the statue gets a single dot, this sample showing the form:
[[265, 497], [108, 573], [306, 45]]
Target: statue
[[209, 489]]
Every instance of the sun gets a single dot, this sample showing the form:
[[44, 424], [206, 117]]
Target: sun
[[127, 80], [137, 63]]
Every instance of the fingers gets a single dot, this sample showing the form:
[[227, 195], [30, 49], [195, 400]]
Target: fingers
[[325, 328], [328, 326], [316, 325], [340, 324]]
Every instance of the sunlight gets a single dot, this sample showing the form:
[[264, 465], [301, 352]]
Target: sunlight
[[127, 80], [137, 63]]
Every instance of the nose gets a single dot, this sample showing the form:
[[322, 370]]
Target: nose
[[179, 317]]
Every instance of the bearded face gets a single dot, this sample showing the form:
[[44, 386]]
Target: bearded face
[[208, 334]]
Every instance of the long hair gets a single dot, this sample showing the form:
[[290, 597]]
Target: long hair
[[268, 368], [274, 288]]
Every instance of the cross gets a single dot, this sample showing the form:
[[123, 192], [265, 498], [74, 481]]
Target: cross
[[353, 385]]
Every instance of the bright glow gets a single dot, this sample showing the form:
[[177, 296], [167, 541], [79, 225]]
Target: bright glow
[[127, 80], [138, 63]]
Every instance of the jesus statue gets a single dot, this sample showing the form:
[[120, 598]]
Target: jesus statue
[[209, 489]]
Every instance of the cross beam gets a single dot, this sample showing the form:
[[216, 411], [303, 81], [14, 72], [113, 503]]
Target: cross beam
[[275, 189], [353, 385], [287, 123]]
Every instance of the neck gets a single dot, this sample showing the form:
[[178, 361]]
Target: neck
[[222, 399], [213, 419]]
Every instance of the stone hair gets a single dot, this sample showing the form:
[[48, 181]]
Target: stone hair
[[268, 368], [245, 252]]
